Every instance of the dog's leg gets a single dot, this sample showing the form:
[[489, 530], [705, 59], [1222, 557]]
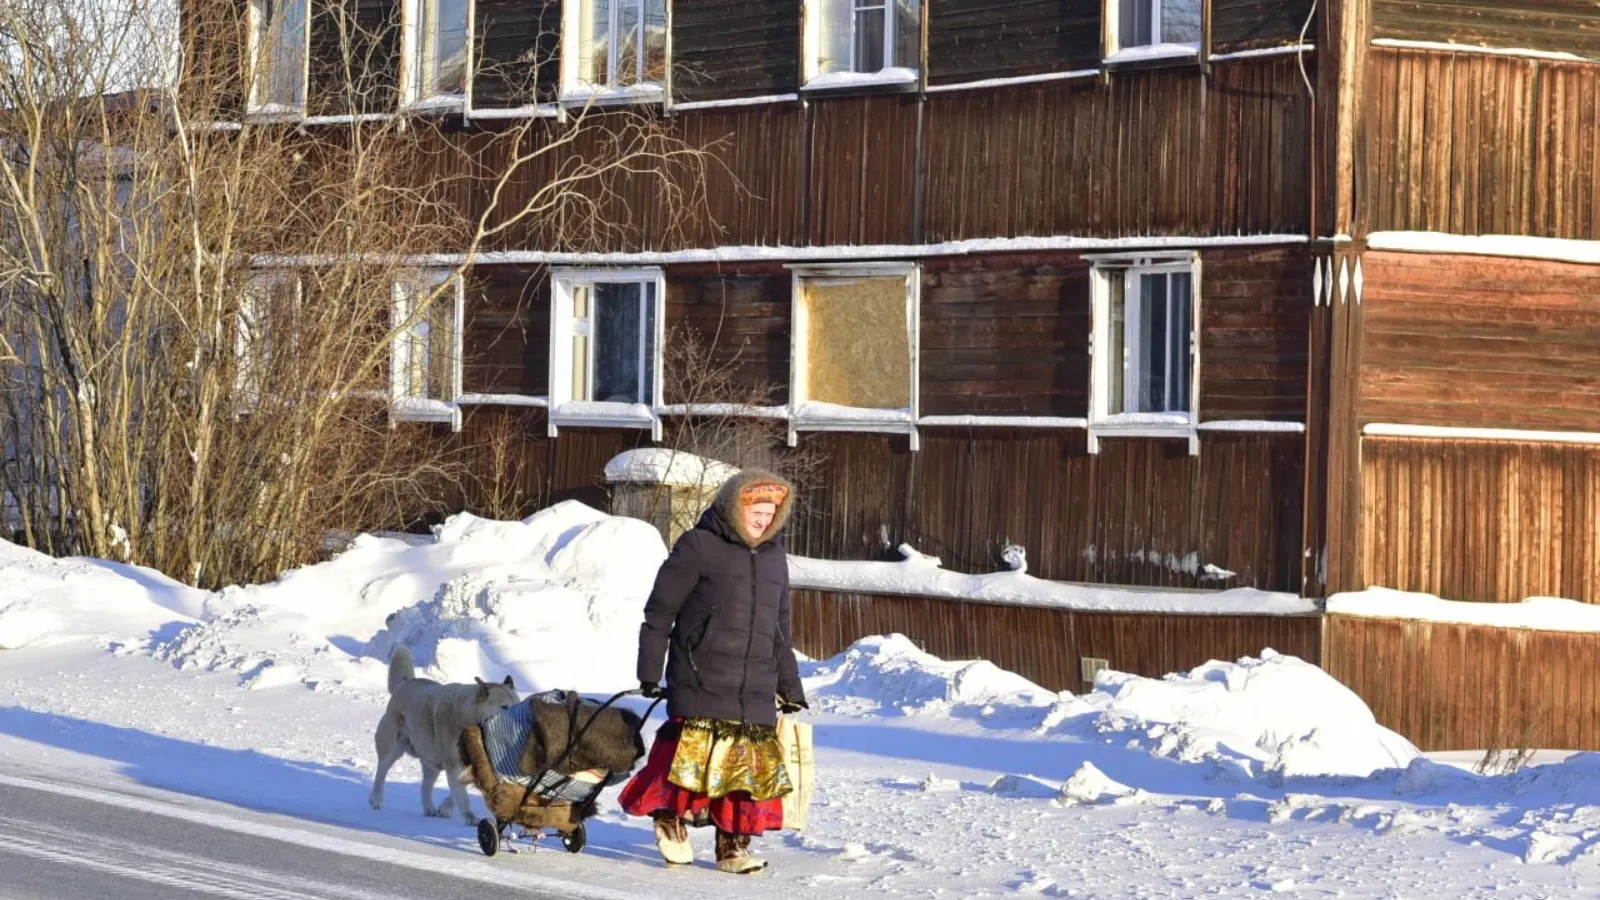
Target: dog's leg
[[430, 776], [459, 801], [390, 748]]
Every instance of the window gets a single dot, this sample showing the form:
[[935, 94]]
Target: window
[[605, 348], [278, 56], [1155, 27], [426, 362], [854, 355], [264, 323], [863, 42], [437, 64], [1144, 350], [620, 48]]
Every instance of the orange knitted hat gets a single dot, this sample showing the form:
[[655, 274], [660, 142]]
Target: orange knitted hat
[[763, 492]]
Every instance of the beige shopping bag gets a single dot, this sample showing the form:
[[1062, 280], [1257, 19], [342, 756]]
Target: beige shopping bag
[[795, 736]]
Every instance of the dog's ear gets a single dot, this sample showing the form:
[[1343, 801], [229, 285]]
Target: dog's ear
[[509, 683], [483, 690], [477, 679]]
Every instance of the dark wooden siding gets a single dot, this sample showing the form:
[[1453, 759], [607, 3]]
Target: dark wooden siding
[[518, 54], [506, 335], [354, 57], [723, 49], [1480, 341], [1255, 319], [1563, 26], [1493, 521], [1253, 24], [1156, 153], [1005, 335], [863, 170], [1446, 686], [741, 316], [1472, 144], [756, 187], [970, 40], [213, 36], [1047, 645]]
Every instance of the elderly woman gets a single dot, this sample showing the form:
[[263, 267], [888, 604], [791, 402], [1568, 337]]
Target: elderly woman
[[718, 618]]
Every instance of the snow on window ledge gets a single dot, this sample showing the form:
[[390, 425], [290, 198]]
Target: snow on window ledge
[[890, 75], [274, 112], [579, 414], [503, 400], [832, 414], [1176, 423], [1155, 51], [422, 409], [534, 111], [581, 94], [442, 103]]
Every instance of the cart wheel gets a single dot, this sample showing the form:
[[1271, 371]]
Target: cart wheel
[[575, 839], [488, 837]]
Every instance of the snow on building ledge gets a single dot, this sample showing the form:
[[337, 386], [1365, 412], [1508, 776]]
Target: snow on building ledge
[[921, 576], [663, 465], [1509, 245], [1534, 613]]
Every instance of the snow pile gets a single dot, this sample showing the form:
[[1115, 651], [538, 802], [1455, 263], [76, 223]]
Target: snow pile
[[921, 575], [553, 600], [662, 465], [1091, 787], [1538, 613], [46, 601], [1276, 717], [889, 675]]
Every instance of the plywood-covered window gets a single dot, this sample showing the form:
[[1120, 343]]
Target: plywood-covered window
[[862, 42], [1154, 28], [438, 62], [854, 361], [425, 370], [605, 348], [1146, 350], [278, 42], [614, 49]]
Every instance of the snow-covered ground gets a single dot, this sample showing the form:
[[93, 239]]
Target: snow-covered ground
[[936, 778]]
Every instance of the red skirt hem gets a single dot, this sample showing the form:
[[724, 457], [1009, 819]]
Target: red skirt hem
[[650, 793]]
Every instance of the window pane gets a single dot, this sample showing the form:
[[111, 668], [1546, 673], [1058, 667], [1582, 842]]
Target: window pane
[[441, 348], [628, 30], [1117, 353], [449, 47], [280, 53], [618, 326], [869, 39], [1153, 343], [1180, 21], [595, 42], [858, 350], [907, 34], [580, 342], [837, 29], [655, 41], [1178, 361], [1134, 25]]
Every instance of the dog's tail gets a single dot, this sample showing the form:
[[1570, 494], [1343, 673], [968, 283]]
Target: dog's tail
[[401, 669]]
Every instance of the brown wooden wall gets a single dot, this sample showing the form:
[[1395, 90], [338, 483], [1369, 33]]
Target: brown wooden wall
[[740, 317], [970, 40], [1480, 341], [518, 53], [354, 57], [1459, 687], [1253, 24], [1494, 521], [1255, 317], [506, 335], [734, 48], [1564, 26], [1468, 143], [1046, 645]]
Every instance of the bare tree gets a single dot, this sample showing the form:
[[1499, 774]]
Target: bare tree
[[209, 331]]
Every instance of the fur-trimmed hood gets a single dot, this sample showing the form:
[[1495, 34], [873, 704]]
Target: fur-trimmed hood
[[726, 507]]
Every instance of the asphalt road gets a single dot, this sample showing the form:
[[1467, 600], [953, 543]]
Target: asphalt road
[[56, 845]]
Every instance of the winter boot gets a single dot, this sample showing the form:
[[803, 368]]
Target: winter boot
[[733, 854], [672, 839]]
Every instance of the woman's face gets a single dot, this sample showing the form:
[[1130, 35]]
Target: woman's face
[[758, 518]]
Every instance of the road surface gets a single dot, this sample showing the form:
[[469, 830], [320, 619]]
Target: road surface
[[58, 842]]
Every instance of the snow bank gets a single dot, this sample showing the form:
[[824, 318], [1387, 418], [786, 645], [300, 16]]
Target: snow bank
[[660, 465], [889, 675], [1538, 613], [46, 601], [921, 575], [1276, 716]]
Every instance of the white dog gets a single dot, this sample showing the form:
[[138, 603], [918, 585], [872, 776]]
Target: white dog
[[425, 719]]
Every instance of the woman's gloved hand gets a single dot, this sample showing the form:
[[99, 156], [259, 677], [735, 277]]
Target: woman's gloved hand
[[650, 689]]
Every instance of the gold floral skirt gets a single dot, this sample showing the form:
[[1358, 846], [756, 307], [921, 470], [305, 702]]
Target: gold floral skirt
[[717, 757]]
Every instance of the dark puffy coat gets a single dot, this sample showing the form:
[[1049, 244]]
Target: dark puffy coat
[[719, 617]]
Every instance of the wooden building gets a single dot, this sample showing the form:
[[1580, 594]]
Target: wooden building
[[1188, 293]]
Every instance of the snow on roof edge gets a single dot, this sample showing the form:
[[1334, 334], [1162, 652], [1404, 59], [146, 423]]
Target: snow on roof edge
[[1533, 613]]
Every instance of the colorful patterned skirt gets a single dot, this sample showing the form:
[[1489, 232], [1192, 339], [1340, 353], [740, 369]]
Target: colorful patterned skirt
[[712, 772]]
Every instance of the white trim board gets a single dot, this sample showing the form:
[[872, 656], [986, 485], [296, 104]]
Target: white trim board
[[1382, 429], [783, 254], [1291, 50], [1446, 47], [1041, 78], [1508, 245], [732, 102]]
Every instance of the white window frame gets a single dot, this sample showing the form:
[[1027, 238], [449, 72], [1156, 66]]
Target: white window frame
[[259, 31], [800, 419], [1103, 371], [406, 407], [575, 90], [248, 363], [412, 97], [895, 72], [1156, 49], [564, 409]]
